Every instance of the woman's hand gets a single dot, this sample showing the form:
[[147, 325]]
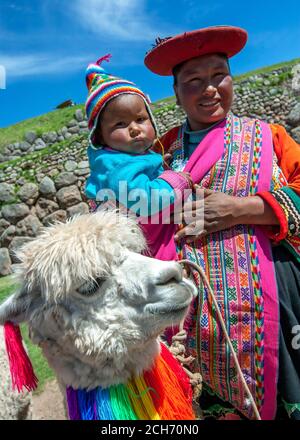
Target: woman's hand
[[216, 211]]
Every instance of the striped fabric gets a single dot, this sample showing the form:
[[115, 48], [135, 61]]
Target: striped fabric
[[232, 262]]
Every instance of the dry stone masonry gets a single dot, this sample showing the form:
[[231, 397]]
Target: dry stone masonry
[[42, 178]]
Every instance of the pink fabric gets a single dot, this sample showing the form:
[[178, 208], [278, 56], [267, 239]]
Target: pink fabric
[[203, 158], [269, 288]]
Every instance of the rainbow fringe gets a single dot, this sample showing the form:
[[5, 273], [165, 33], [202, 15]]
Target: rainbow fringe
[[162, 393]]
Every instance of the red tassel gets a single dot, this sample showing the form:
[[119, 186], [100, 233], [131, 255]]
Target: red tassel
[[21, 369], [105, 58]]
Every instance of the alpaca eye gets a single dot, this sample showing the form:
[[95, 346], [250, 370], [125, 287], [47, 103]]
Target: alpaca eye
[[90, 287]]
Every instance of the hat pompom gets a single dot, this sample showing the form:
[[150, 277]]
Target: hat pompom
[[105, 58], [96, 69]]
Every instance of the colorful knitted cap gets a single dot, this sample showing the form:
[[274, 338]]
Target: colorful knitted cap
[[102, 87]]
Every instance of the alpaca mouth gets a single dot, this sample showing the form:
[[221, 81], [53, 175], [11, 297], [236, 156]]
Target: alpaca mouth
[[179, 297], [168, 310], [179, 305]]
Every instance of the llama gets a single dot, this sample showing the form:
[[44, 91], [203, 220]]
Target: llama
[[96, 306]]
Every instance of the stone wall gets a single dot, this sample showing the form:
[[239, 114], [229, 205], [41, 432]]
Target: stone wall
[[44, 182], [32, 142]]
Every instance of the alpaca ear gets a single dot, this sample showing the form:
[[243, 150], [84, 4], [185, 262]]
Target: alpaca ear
[[15, 308]]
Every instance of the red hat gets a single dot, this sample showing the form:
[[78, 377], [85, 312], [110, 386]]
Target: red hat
[[174, 50]]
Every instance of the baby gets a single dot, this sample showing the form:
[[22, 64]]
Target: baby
[[122, 131]]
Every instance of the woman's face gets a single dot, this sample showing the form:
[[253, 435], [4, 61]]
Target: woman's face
[[204, 90]]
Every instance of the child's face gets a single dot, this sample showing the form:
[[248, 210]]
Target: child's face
[[204, 90], [125, 125]]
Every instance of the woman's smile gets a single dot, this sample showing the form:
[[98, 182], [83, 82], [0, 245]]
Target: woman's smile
[[210, 105]]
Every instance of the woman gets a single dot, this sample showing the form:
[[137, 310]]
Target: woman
[[248, 241]]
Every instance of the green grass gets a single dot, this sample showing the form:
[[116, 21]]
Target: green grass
[[169, 100], [266, 69], [51, 121], [7, 286], [44, 373], [166, 108]]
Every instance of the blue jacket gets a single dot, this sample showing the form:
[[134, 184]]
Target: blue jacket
[[138, 171]]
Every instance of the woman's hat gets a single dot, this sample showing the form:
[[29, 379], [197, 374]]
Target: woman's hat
[[171, 51]]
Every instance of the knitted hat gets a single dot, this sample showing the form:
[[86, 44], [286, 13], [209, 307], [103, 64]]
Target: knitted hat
[[102, 88], [171, 51]]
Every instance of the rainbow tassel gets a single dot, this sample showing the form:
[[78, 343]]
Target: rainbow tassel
[[74, 413], [120, 402], [162, 393]]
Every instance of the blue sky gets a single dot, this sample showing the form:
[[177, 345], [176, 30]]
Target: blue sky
[[45, 45]]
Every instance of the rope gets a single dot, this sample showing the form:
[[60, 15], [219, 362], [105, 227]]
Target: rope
[[240, 373], [161, 146]]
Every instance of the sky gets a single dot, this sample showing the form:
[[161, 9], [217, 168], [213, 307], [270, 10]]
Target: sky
[[46, 45]]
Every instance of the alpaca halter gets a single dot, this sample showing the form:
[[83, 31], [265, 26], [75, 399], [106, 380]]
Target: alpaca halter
[[162, 393]]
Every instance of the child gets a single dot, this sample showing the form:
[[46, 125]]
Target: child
[[123, 168]]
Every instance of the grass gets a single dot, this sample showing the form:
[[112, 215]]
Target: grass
[[51, 121], [169, 100], [44, 373], [7, 286], [165, 108], [266, 69]]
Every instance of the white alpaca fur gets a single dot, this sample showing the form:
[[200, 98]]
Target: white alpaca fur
[[101, 337]]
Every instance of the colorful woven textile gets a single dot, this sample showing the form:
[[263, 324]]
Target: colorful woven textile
[[238, 264]]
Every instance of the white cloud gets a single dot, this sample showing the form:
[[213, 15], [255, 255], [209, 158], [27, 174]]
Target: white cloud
[[38, 64], [116, 19]]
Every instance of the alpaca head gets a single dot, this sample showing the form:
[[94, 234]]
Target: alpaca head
[[93, 303]]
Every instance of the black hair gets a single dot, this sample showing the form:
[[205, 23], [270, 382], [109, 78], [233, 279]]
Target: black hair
[[178, 67]]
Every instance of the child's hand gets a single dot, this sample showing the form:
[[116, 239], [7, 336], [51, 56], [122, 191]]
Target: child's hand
[[188, 177]]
